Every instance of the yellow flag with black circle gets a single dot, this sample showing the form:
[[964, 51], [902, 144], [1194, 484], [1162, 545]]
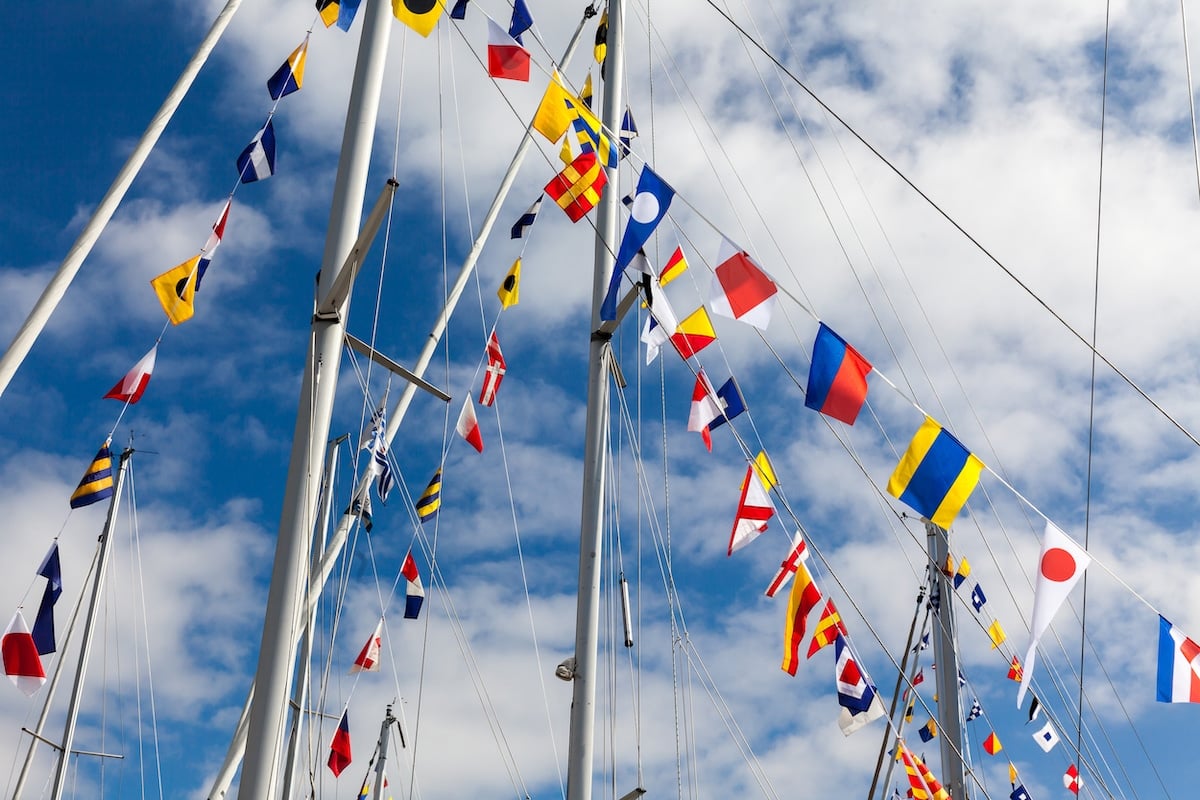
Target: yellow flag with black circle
[[510, 290], [420, 15], [176, 290]]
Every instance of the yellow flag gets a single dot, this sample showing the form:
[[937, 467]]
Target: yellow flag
[[420, 15], [1012, 774], [553, 116], [510, 290], [766, 473], [997, 634], [176, 290], [565, 155]]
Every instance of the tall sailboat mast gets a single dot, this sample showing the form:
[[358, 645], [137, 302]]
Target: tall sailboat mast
[[945, 654], [587, 615], [267, 723]]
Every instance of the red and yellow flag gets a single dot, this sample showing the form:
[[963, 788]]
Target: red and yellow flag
[[803, 599], [924, 785], [578, 187], [828, 627]]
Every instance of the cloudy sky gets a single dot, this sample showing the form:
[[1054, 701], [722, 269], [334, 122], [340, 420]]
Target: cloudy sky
[[996, 113]]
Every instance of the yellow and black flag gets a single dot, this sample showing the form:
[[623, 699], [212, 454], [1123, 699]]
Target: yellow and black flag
[[97, 483], [420, 15], [176, 290], [510, 290], [431, 499]]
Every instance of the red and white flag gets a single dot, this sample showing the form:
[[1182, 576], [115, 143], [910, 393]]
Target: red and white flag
[[1060, 567], [22, 664], [468, 425], [368, 657], [787, 569], [740, 289], [705, 408], [1071, 779], [214, 241], [414, 591], [130, 388], [753, 511], [506, 57], [494, 372]]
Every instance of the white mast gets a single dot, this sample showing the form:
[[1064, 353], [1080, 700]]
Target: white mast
[[587, 615], [945, 655], [53, 294], [284, 616]]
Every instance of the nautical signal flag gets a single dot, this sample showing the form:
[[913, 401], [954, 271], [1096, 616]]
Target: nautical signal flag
[[214, 241], [740, 289], [1014, 669], [522, 225], [1019, 793], [661, 323], [928, 731], [493, 373], [257, 161], [705, 408], [1071, 779], [837, 379], [420, 15], [585, 94], [589, 132], [510, 288], [628, 133], [578, 187], [460, 10], [339, 748], [431, 499], [342, 13], [1047, 737], [676, 265], [936, 474], [361, 509], [791, 564], [960, 575], [521, 21], [855, 691], [1060, 567], [694, 333], [176, 290], [328, 10], [553, 115], [829, 628], [468, 425], [368, 657], [991, 745], [650, 205], [290, 75], [97, 483], [1178, 666], [22, 664], [924, 785], [801, 601], [996, 634], [506, 57], [978, 598], [1035, 708], [753, 511], [43, 624], [414, 592], [976, 710], [731, 402], [131, 387]]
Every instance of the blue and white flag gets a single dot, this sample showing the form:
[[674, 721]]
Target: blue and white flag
[[650, 205], [460, 10], [257, 161], [374, 441], [976, 710], [43, 626], [522, 225], [628, 131], [977, 597], [732, 403], [521, 21], [854, 688]]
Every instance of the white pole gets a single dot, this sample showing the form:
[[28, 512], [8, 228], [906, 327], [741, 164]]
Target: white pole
[[53, 294], [289, 578]]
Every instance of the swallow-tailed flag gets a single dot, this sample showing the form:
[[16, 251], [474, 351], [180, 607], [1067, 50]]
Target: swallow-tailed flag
[[176, 290], [797, 554], [368, 657], [493, 373], [1178, 666], [801, 601], [1060, 567], [837, 379], [290, 75], [22, 664], [650, 205], [936, 474], [468, 425], [257, 161], [510, 288], [414, 592], [754, 509], [339, 748], [578, 187], [522, 225], [693, 333], [829, 628], [431, 499], [43, 624], [676, 265], [97, 483], [131, 387], [740, 289], [420, 15], [506, 57], [214, 241]]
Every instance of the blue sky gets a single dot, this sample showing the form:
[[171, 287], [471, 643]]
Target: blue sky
[[993, 112]]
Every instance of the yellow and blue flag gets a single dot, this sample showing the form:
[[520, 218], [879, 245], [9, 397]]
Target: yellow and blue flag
[[590, 133], [936, 475], [290, 75], [431, 499], [97, 483]]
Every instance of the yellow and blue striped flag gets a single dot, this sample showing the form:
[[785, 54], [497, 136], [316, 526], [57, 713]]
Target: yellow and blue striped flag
[[431, 499], [936, 475], [590, 133], [97, 482]]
